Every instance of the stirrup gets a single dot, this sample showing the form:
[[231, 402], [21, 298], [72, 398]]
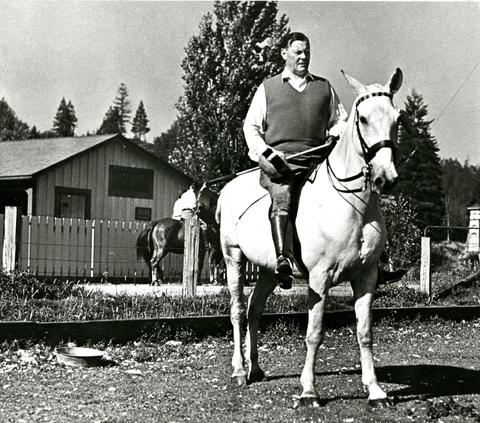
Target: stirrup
[[284, 272]]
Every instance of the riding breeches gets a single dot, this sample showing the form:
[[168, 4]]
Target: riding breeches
[[280, 193]]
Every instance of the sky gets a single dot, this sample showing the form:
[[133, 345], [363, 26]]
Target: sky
[[83, 51]]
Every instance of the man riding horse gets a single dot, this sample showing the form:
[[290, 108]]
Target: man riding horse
[[290, 113]]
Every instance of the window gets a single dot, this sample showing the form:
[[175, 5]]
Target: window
[[130, 182], [143, 213], [72, 202]]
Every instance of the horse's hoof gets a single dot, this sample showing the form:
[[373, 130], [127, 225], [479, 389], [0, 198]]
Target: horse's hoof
[[239, 380], [380, 403], [310, 402], [257, 376]]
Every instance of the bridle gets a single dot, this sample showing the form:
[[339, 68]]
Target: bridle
[[369, 152]]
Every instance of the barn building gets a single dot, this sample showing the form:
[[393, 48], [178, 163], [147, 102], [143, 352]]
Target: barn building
[[94, 177], [84, 201]]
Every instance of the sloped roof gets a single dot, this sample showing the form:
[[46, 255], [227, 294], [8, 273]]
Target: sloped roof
[[27, 157]]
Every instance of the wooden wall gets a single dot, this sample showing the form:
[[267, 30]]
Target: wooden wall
[[90, 171]]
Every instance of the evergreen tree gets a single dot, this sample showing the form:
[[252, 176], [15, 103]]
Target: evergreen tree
[[462, 189], [420, 174], [65, 120], [236, 49], [140, 123], [11, 128], [111, 122], [122, 103]]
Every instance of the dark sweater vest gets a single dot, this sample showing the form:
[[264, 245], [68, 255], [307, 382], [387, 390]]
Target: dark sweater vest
[[296, 121]]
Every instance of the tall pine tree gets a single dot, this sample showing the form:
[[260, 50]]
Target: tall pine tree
[[140, 123], [236, 49], [111, 122], [65, 120], [122, 103], [420, 174]]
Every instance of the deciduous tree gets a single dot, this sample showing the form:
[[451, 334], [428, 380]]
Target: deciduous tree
[[236, 48], [11, 127]]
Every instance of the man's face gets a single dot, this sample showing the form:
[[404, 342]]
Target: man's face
[[297, 57]]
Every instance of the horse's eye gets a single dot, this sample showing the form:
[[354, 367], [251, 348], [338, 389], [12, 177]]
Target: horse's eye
[[363, 120]]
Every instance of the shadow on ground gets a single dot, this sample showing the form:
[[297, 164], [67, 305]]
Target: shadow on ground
[[422, 380]]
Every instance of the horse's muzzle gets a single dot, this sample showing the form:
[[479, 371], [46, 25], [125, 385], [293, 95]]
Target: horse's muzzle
[[383, 185]]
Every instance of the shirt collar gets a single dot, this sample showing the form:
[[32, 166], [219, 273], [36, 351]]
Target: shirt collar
[[287, 74]]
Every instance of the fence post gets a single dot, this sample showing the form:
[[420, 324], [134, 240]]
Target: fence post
[[11, 231], [92, 250], [190, 257], [425, 275]]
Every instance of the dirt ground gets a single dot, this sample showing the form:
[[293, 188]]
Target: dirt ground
[[430, 368]]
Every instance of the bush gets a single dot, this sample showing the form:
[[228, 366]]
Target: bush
[[402, 248]]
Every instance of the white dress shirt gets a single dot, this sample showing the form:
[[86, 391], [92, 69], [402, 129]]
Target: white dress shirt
[[253, 127]]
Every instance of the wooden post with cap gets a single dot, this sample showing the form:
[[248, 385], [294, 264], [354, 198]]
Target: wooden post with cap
[[191, 251], [12, 222]]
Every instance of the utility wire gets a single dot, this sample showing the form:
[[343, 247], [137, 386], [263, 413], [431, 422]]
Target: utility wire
[[443, 110], [455, 94]]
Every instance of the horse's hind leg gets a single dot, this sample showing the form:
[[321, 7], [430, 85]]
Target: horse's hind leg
[[235, 262], [157, 274], [256, 305], [363, 293]]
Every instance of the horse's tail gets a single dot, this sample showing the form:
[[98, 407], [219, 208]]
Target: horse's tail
[[144, 243]]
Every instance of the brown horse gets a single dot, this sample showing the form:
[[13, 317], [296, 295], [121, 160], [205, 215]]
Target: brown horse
[[167, 236]]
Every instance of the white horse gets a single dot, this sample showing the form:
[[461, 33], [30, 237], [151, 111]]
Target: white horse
[[341, 232]]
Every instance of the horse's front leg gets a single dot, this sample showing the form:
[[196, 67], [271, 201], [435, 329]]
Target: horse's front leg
[[256, 305], [363, 292], [317, 297], [235, 262]]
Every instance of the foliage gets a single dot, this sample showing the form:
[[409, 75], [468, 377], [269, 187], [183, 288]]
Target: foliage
[[399, 296], [402, 247], [111, 122], [462, 189], [140, 122], [165, 144], [420, 175], [236, 49], [11, 128], [118, 115], [122, 103], [65, 120]]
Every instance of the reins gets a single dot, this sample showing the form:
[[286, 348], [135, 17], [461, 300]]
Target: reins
[[368, 152]]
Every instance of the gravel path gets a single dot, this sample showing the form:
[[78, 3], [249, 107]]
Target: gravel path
[[431, 368]]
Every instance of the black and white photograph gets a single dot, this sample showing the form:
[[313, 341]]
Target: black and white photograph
[[239, 211]]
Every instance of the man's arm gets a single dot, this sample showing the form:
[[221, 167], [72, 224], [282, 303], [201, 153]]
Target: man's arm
[[253, 127], [338, 115]]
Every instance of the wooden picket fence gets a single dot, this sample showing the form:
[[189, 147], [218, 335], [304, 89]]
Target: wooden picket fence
[[90, 249]]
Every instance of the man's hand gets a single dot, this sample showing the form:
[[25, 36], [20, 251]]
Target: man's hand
[[274, 165]]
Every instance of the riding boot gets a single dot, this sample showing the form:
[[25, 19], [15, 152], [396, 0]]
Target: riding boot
[[283, 269]]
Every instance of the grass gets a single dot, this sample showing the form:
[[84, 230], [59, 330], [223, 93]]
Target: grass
[[24, 298]]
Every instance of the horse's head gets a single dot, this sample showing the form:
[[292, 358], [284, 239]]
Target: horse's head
[[376, 126]]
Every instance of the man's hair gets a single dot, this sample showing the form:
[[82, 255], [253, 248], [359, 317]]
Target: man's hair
[[294, 36]]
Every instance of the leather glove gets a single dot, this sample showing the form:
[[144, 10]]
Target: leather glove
[[274, 165]]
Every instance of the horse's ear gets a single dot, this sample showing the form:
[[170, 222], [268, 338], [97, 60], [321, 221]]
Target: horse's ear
[[395, 81], [357, 86]]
